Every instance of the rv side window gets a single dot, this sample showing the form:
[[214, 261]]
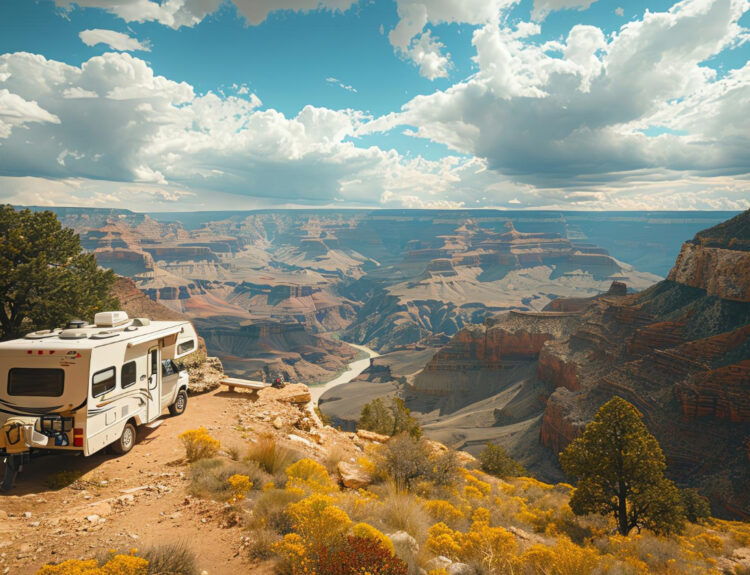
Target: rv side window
[[36, 382], [103, 381], [186, 346], [128, 375]]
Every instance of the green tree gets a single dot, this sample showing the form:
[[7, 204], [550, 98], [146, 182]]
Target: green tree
[[45, 278], [389, 418], [697, 507], [495, 460], [620, 470]]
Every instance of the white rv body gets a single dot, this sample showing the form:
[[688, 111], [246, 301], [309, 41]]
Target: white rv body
[[76, 389]]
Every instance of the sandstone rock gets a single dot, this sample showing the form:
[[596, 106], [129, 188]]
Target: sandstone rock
[[278, 423], [296, 393], [206, 376], [460, 569], [721, 272], [352, 475], [372, 436], [405, 546]]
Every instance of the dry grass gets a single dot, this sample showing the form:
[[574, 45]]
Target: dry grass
[[171, 559], [209, 478], [270, 456], [261, 543], [269, 510], [402, 511]]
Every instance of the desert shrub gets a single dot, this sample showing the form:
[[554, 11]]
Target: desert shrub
[[234, 452], [199, 444], [309, 475], [318, 521], [495, 460], [367, 531], [239, 486], [389, 418], [444, 468], [270, 510], [270, 456], [697, 508], [115, 565], [565, 558], [261, 545], [170, 559], [361, 555], [403, 512], [491, 549], [444, 511], [406, 460], [334, 456], [209, 478]]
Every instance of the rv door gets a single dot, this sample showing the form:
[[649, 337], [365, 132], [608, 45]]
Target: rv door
[[154, 384]]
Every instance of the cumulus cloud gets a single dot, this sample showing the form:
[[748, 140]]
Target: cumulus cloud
[[16, 111], [340, 84], [544, 7], [112, 119], [113, 39], [179, 13], [571, 114]]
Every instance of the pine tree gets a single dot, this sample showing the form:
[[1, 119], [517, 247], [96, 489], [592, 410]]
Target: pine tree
[[620, 470], [45, 278]]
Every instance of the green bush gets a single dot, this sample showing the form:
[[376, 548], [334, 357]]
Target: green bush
[[389, 418], [496, 461]]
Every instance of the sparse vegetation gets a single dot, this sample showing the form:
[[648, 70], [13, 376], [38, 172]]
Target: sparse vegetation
[[496, 461], [272, 457], [199, 444], [389, 418]]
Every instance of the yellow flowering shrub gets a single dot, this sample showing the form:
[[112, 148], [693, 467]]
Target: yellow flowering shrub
[[309, 475], [367, 531], [493, 547], [199, 444], [295, 554], [565, 558], [443, 511], [116, 565], [318, 521], [240, 485]]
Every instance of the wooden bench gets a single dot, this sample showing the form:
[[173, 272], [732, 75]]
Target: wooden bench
[[232, 382]]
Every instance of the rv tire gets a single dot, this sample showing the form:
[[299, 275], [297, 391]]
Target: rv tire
[[180, 403], [126, 441]]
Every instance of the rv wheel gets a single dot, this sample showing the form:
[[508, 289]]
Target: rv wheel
[[126, 441], [179, 405]]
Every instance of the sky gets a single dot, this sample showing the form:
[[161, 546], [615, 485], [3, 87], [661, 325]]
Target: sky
[[179, 105]]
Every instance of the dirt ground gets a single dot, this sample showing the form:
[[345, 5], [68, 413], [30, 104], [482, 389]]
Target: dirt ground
[[137, 500]]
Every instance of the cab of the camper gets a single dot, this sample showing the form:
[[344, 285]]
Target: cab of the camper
[[85, 387]]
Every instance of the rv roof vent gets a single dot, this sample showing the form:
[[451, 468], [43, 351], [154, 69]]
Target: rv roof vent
[[141, 321], [75, 324], [41, 334], [73, 334], [131, 327], [110, 318], [104, 335]]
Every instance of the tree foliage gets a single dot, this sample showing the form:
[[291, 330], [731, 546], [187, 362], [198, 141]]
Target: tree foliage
[[45, 278], [496, 461], [389, 418], [620, 470]]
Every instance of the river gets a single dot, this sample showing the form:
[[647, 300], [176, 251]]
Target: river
[[353, 370]]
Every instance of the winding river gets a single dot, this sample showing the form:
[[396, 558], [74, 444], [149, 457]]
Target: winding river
[[353, 370]]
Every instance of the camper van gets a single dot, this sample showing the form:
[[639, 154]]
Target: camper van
[[86, 387]]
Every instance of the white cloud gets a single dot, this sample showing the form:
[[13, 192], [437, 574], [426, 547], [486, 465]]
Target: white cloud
[[427, 53], [571, 119], [113, 39], [179, 13], [544, 7], [340, 84], [620, 11], [16, 112]]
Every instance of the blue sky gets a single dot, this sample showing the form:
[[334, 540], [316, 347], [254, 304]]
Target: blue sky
[[575, 104]]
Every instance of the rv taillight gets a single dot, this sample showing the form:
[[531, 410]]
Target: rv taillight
[[77, 437]]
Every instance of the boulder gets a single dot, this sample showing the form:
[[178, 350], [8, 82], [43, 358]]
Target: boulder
[[405, 546], [438, 562], [296, 393], [352, 475], [372, 436], [460, 569]]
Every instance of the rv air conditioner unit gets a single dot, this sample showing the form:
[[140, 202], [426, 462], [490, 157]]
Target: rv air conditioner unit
[[110, 318]]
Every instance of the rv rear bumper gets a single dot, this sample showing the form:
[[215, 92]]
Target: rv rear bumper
[[19, 434]]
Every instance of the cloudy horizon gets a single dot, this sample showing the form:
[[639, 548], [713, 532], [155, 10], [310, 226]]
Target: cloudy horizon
[[245, 104]]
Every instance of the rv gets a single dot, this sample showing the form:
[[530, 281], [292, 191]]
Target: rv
[[87, 387]]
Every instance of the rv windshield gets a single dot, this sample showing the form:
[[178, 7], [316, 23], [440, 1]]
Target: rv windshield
[[38, 382]]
